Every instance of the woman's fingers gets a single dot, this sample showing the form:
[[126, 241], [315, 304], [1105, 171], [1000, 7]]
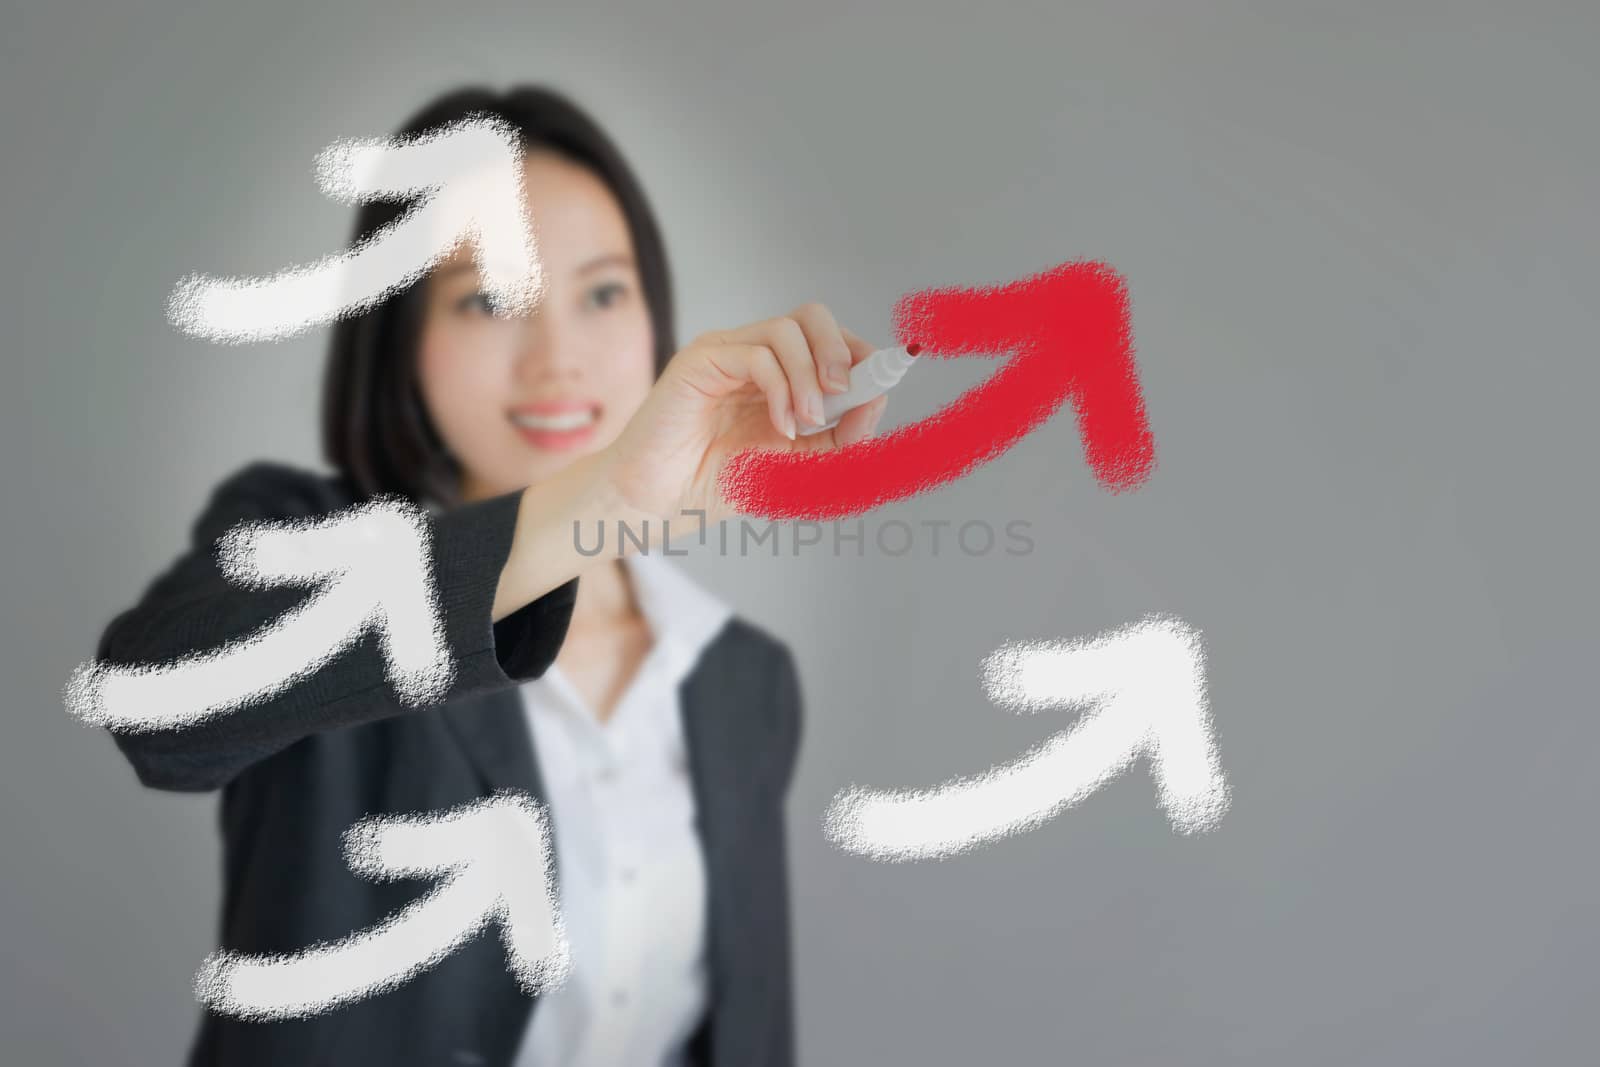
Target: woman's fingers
[[713, 396], [755, 363], [831, 348], [859, 349], [790, 358], [797, 354], [859, 423]]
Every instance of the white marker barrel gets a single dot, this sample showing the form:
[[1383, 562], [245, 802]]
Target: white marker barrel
[[869, 379]]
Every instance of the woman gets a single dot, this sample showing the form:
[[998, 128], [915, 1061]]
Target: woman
[[660, 731]]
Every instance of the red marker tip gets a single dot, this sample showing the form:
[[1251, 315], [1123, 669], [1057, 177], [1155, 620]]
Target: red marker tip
[[912, 350]]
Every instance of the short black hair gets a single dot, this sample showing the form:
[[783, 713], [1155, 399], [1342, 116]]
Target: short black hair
[[376, 431]]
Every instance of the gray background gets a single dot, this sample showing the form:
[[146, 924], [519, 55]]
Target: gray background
[[1361, 252]]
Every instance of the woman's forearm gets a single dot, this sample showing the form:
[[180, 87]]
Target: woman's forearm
[[545, 547]]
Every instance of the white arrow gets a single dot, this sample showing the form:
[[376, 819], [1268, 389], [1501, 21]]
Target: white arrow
[[373, 563], [468, 176], [492, 857], [1144, 686]]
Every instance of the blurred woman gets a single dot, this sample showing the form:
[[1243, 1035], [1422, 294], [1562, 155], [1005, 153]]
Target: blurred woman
[[660, 729]]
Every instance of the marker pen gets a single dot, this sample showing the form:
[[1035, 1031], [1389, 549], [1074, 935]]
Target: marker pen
[[869, 379]]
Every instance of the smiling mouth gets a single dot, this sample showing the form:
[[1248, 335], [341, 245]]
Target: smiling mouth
[[563, 422]]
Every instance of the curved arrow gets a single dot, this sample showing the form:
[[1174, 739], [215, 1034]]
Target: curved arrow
[[1071, 330], [492, 857], [1145, 685], [468, 176], [373, 562]]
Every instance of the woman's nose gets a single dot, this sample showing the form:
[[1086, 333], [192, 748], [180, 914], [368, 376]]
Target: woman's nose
[[544, 350]]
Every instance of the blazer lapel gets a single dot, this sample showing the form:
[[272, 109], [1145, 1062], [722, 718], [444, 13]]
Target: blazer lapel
[[493, 732], [718, 735]]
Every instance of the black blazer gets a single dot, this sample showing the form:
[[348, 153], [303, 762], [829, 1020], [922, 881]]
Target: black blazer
[[295, 771]]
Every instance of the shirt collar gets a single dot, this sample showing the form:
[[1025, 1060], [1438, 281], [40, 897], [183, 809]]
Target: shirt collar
[[682, 615]]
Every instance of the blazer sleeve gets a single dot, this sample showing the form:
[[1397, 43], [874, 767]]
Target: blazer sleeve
[[192, 607]]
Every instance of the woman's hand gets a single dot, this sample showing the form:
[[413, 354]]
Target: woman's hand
[[730, 390]]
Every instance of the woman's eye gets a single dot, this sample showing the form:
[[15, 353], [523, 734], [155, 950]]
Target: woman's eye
[[607, 295], [478, 300]]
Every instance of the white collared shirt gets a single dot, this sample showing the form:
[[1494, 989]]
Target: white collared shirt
[[631, 870]]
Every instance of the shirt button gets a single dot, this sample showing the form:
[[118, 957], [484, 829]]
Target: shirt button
[[619, 998], [605, 775], [627, 874]]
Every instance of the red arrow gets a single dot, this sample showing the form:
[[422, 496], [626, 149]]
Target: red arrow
[[1071, 331]]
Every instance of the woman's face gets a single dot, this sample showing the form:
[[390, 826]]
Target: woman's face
[[515, 399]]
